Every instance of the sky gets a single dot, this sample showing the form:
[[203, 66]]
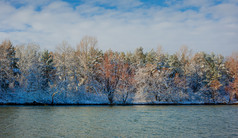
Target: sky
[[123, 25]]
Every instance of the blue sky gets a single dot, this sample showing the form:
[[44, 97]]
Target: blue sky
[[123, 25]]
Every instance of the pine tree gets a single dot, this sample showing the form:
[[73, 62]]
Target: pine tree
[[8, 65], [47, 69], [139, 56], [174, 66], [214, 69], [151, 57]]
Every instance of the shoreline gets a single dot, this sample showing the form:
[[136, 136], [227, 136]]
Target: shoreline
[[107, 104]]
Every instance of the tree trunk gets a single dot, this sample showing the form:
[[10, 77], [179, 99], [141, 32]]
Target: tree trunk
[[110, 97], [156, 97], [52, 102], [125, 99], [236, 96]]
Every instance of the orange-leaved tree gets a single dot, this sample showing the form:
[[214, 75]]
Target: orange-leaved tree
[[126, 83], [232, 66], [109, 72]]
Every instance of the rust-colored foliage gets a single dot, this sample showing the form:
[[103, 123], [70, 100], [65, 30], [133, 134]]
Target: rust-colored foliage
[[127, 75], [114, 73], [176, 78], [232, 66], [215, 84], [110, 67], [109, 71]]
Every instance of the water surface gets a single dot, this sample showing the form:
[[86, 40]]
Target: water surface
[[119, 121]]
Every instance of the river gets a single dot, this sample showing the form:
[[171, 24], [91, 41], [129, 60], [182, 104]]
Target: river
[[119, 121]]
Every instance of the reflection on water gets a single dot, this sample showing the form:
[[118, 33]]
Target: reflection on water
[[118, 121]]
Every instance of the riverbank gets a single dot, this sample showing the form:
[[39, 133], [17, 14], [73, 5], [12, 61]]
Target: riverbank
[[86, 98], [115, 104]]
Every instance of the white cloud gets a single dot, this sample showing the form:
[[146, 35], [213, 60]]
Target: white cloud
[[214, 27]]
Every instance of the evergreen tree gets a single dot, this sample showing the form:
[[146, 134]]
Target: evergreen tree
[[214, 69], [8, 65], [174, 66], [47, 69], [139, 56], [151, 57]]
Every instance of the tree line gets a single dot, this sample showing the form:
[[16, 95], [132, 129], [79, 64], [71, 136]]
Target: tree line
[[119, 77]]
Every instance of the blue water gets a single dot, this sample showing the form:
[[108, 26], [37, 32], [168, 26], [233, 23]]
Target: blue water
[[119, 121]]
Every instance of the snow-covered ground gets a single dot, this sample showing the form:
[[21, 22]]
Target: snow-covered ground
[[41, 97]]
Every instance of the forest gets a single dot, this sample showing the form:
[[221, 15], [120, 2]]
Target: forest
[[88, 75]]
